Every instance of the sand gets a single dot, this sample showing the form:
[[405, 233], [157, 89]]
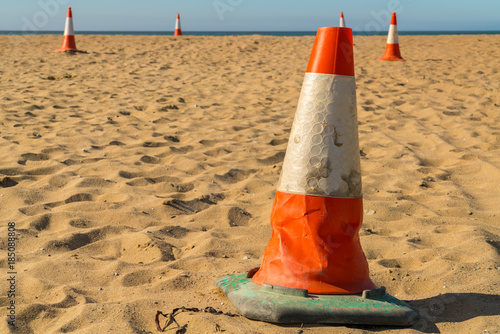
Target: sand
[[138, 173]]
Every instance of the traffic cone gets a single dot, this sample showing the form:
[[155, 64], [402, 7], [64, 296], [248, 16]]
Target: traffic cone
[[318, 207], [178, 31], [69, 43], [314, 269], [342, 22], [392, 48]]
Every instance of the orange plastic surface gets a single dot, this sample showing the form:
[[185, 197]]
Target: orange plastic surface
[[69, 44], [315, 245], [391, 53], [393, 19], [70, 14], [332, 52]]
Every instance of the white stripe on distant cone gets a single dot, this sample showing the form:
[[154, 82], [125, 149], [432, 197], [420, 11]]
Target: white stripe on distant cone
[[68, 29], [392, 37], [178, 24]]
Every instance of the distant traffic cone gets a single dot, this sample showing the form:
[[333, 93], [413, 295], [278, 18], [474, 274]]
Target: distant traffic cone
[[392, 48], [342, 22], [69, 43], [178, 31], [318, 211]]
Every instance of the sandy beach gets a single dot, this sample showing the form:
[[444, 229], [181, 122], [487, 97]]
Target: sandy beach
[[138, 173]]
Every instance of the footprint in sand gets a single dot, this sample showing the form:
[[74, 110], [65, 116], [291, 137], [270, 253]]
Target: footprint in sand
[[82, 223], [180, 207], [238, 217], [8, 182], [234, 175]]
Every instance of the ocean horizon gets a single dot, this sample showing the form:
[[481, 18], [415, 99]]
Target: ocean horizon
[[242, 33]]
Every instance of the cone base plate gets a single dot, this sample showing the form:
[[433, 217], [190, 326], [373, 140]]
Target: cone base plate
[[284, 305]]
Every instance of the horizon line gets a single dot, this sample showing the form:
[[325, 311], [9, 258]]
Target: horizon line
[[369, 32]]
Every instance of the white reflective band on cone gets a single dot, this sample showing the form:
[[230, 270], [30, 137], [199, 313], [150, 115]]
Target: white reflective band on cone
[[177, 24], [68, 29], [322, 156], [392, 38]]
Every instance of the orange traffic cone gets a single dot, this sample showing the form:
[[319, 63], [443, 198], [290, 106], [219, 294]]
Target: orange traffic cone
[[342, 22], [314, 269], [178, 31], [69, 43], [318, 207], [392, 49]]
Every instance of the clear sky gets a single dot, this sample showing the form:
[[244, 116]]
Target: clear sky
[[250, 15]]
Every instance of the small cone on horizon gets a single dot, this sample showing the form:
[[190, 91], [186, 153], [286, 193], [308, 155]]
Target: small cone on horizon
[[392, 52], [69, 43], [178, 31]]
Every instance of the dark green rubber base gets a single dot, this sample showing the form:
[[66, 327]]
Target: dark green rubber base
[[284, 305]]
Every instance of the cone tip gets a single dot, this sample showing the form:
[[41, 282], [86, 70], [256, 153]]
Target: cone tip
[[342, 15], [178, 16], [393, 18], [69, 12]]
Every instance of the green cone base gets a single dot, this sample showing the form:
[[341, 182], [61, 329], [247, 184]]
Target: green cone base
[[284, 305]]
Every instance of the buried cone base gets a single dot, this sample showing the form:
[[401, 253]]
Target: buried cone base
[[70, 50], [284, 305], [392, 53], [391, 58], [69, 45]]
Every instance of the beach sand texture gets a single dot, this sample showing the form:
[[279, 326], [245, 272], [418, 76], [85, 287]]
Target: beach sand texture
[[140, 172]]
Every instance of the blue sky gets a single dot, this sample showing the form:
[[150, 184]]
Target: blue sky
[[250, 15]]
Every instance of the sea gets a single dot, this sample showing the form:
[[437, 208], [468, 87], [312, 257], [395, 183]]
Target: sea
[[240, 33]]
